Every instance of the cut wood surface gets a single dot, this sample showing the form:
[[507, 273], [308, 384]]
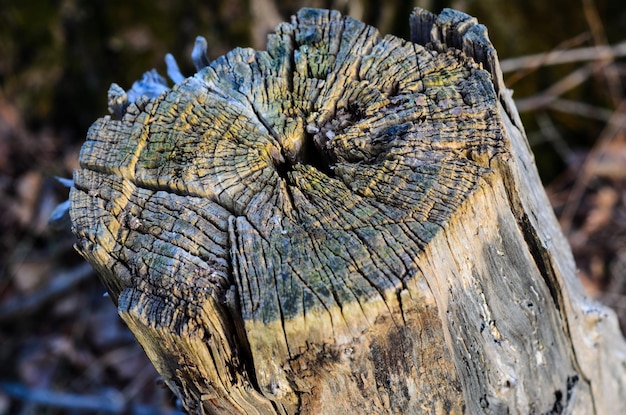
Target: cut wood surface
[[344, 223]]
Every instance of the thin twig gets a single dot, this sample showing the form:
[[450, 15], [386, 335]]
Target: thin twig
[[543, 99], [566, 45], [551, 135], [599, 37], [557, 57], [589, 111]]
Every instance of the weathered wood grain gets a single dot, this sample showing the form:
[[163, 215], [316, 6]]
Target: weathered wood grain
[[345, 223]]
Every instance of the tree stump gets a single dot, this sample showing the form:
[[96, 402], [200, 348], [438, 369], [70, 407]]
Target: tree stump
[[345, 223]]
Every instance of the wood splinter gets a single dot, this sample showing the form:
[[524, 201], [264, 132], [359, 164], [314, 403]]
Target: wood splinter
[[345, 223]]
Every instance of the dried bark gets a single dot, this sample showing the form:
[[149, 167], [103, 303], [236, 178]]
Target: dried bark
[[346, 223]]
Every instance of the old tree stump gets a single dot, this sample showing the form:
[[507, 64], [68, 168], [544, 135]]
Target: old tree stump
[[343, 224]]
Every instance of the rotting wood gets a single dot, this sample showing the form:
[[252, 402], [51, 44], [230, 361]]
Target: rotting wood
[[346, 223]]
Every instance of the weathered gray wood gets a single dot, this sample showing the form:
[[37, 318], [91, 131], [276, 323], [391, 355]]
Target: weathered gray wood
[[346, 223]]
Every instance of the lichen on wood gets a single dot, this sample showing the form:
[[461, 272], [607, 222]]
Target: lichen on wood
[[329, 226]]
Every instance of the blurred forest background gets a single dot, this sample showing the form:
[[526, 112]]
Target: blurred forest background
[[63, 349]]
